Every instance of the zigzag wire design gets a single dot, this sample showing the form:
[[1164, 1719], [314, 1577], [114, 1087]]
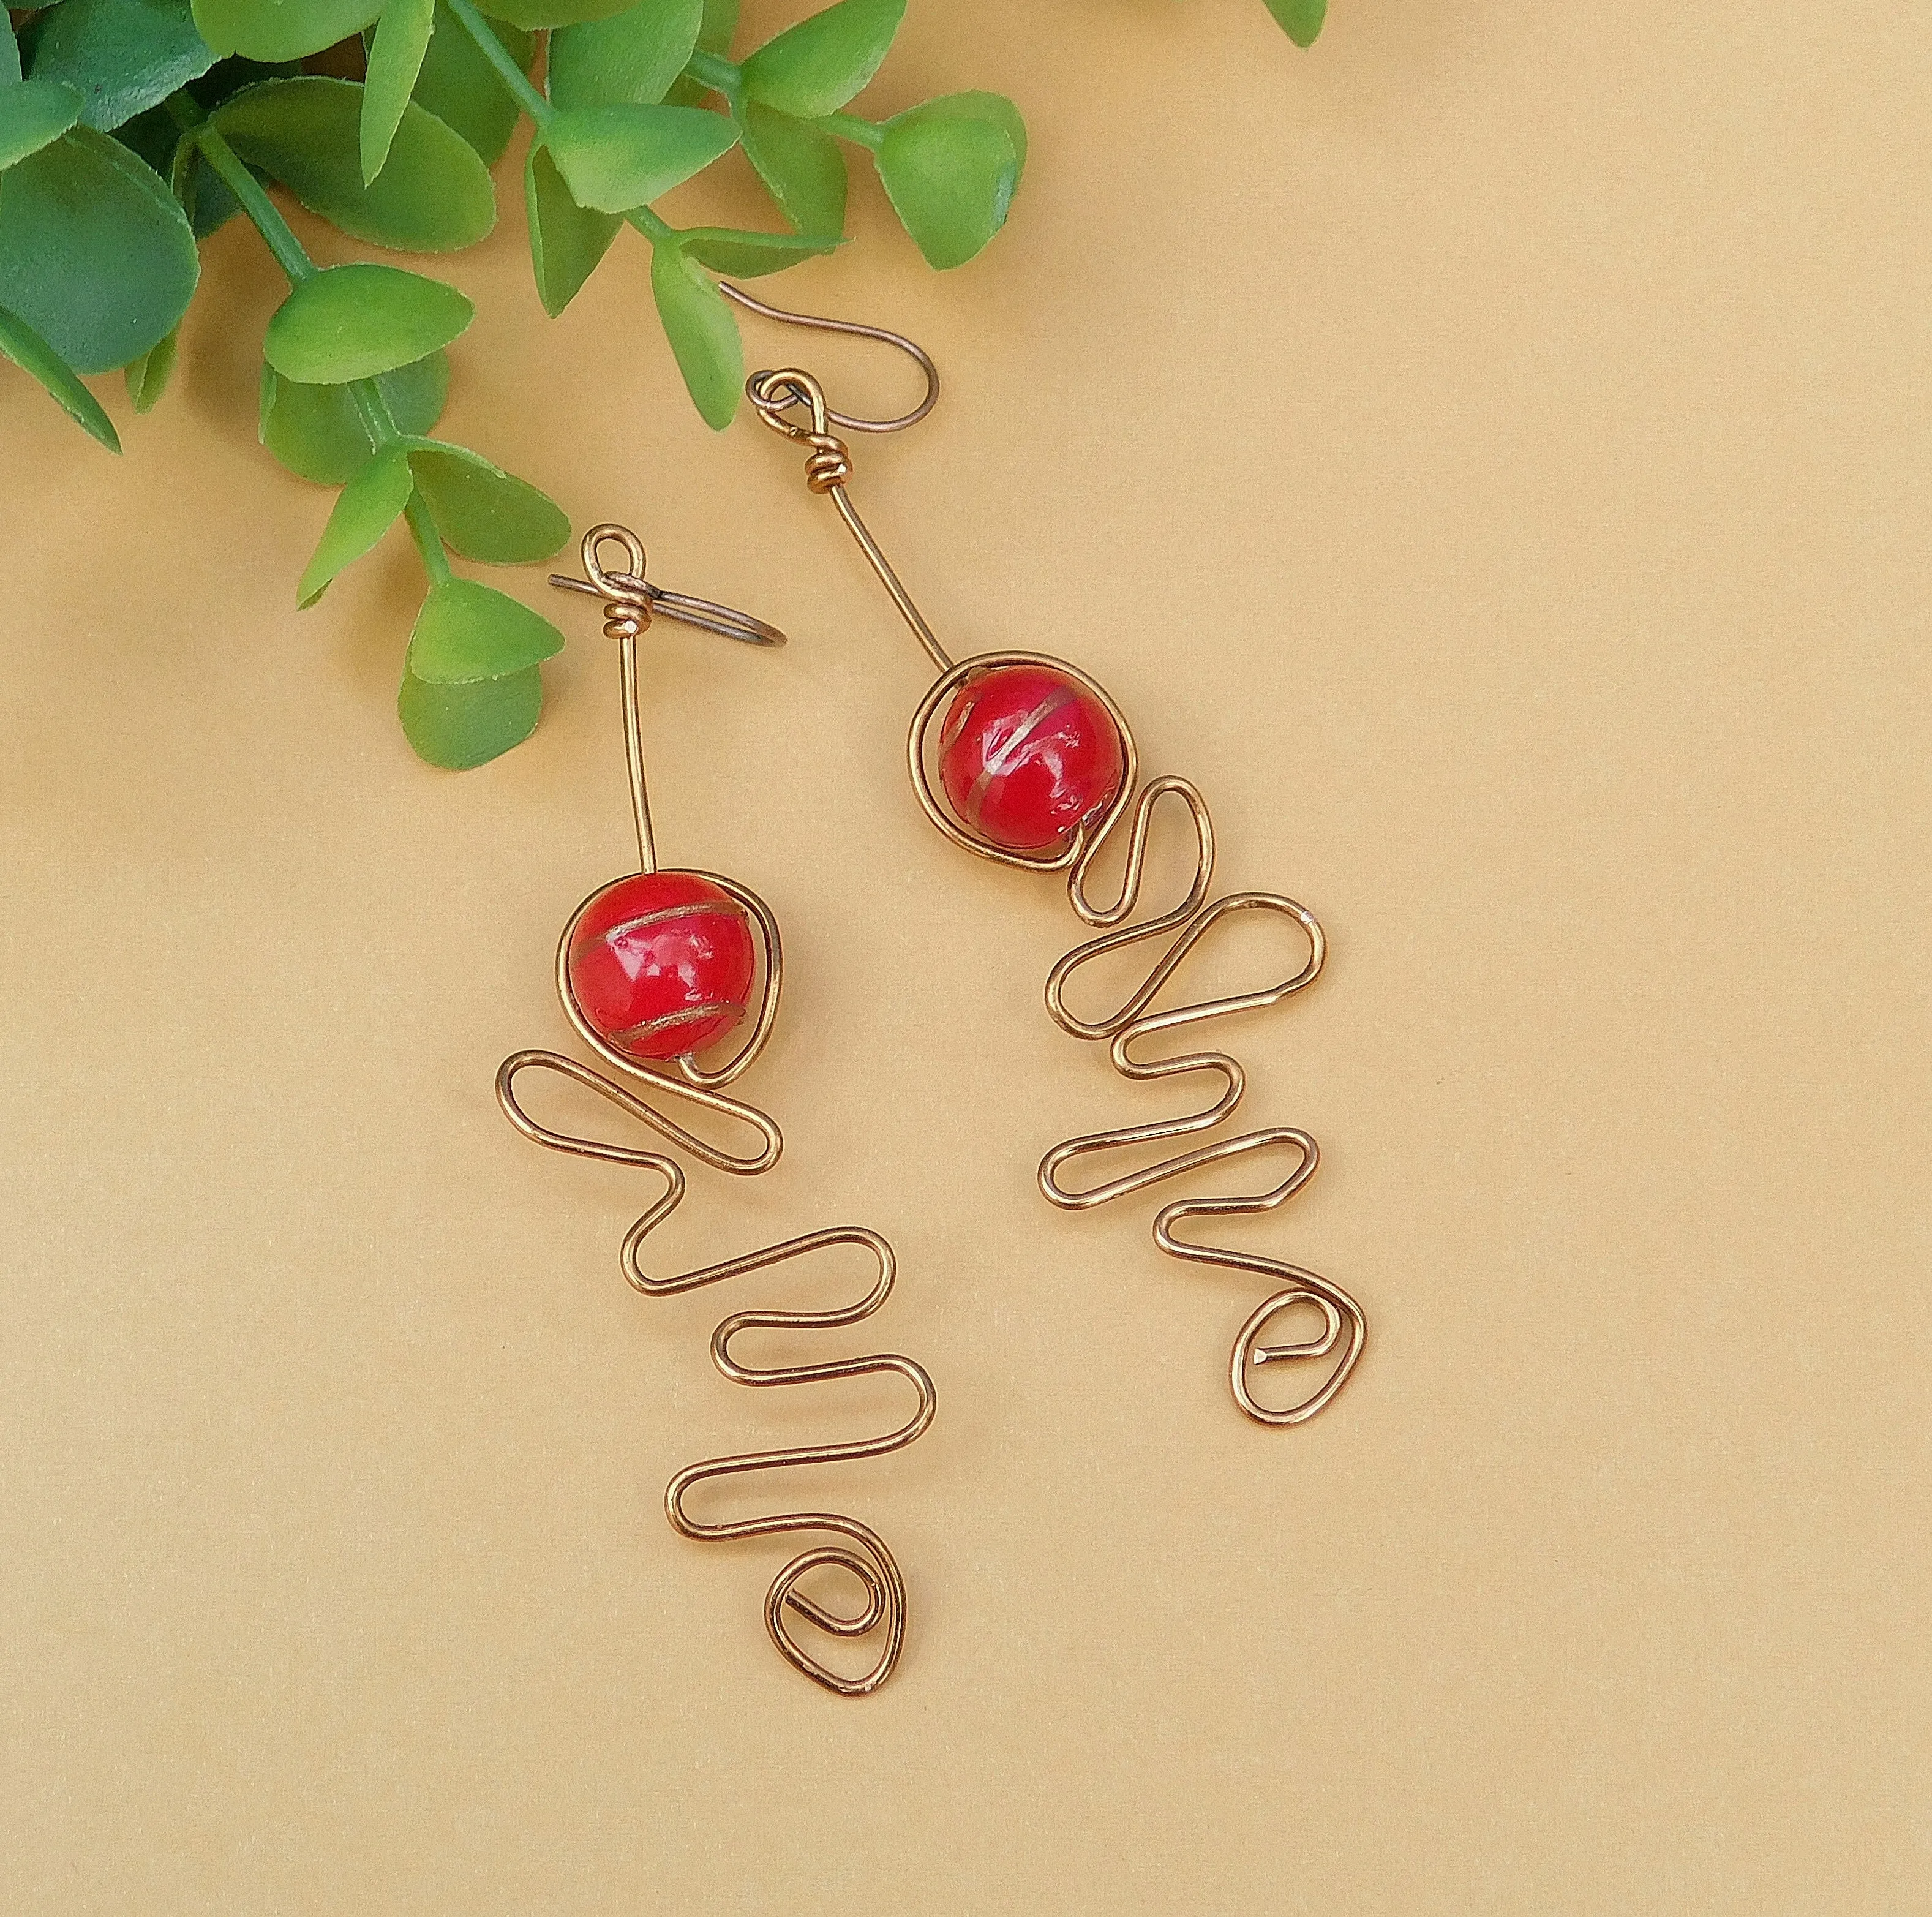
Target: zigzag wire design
[[791, 401], [1343, 1324], [861, 1552]]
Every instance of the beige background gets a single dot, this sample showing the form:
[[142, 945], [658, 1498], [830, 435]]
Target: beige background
[[1490, 452]]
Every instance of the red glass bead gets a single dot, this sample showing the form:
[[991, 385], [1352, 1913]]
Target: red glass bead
[[1027, 753], [661, 964]]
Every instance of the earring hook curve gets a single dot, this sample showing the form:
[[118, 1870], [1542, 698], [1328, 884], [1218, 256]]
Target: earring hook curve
[[846, 422]]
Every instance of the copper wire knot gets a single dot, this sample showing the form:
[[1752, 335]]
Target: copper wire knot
[[775, 394], [626, 617], [829, 464]]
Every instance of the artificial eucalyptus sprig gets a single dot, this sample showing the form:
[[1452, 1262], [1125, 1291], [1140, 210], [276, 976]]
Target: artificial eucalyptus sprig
[[471, 688], [620, 123], [131, 129]]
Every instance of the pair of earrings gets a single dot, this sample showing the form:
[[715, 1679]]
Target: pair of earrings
[[1017, 757]]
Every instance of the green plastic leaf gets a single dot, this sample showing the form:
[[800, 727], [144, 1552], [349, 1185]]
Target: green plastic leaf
[[34, 356], [147, 376], [96, 255], [816, 66], [484, 512], [720, 23], [278, 30], [704, 335], [371, 502], [9, 51], [950, 177], [463, 90], [352, 322], [317, 433], [1299, 20], [123, 55], [745, 256], [802, 168], [566, 240], [395, 58], [536, 13], [459, 727], [631, 58], [434, 195], [994, 108], [33, 114], [466, 631], [613, 158]]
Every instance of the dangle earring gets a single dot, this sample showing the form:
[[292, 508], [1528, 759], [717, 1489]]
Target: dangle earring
[[654, 970], [1024, 759]]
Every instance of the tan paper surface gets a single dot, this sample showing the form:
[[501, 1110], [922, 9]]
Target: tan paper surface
[[1490, 453]]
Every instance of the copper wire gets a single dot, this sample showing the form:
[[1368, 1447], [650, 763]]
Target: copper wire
[[780, 396], [777, 393], [851, 422], [630, 599], [862, 1554], [858, 1552]]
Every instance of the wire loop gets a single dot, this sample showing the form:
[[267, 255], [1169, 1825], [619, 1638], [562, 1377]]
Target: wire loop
[[631, 599], [824, 417]]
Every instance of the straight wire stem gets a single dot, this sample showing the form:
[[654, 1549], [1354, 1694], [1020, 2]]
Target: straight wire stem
[[634, 754], [908, 610], [629, 599], [778, 392]]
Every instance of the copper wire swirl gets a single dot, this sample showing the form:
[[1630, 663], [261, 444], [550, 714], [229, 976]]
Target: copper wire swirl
[[1343, 1326], [792, 402], [858, 1552], [1183, 927]]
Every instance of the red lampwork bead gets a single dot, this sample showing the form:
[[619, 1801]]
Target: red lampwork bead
[[661, 964], [1025, 753]]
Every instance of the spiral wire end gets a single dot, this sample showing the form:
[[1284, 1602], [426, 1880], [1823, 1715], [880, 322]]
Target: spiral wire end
[[1342, 1325]]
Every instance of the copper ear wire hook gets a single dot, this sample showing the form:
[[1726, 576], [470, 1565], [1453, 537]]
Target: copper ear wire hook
[[630, 601], [777, 394], [817, 323]]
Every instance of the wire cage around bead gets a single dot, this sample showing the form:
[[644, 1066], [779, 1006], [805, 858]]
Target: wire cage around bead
[[923, 752], [687, 1078], [681, 900]]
